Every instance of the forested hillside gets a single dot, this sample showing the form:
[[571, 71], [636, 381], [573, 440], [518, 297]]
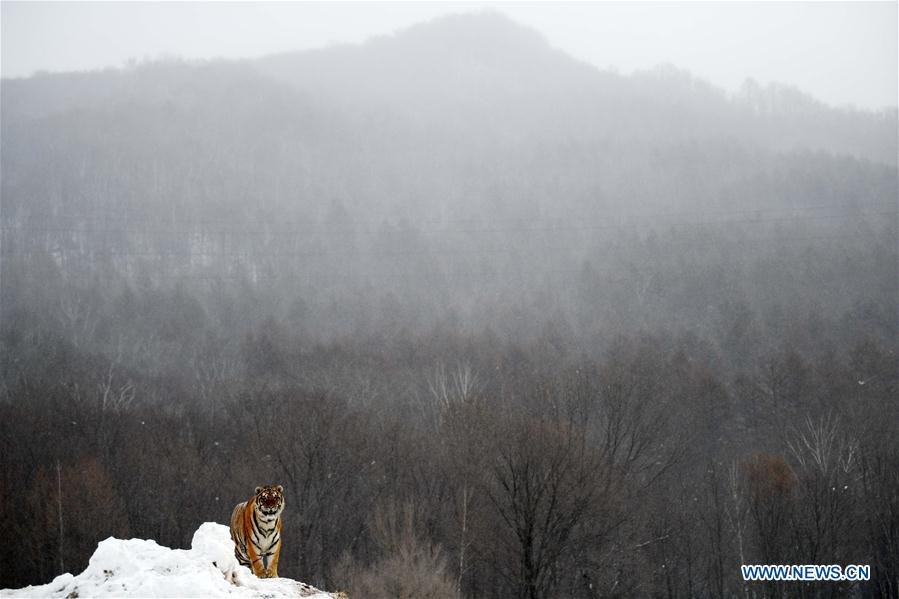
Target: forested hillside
[[501, 323]]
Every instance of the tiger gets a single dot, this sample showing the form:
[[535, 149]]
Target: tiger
[[256, 531]]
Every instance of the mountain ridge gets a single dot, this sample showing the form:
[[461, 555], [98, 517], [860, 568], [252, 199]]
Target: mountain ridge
[[477, 75]]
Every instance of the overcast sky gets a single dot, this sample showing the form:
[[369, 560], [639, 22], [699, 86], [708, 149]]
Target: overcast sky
[[842, 53]]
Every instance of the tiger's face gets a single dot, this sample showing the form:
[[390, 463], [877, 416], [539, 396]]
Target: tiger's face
[[270, 500]]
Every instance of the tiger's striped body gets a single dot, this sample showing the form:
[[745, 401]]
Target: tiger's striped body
[[256, 531]]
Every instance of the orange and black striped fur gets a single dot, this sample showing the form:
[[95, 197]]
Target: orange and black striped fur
[[256, 531]]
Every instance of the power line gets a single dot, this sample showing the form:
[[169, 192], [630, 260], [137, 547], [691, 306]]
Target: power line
[[249, 254], [557, 228], [379, 220]]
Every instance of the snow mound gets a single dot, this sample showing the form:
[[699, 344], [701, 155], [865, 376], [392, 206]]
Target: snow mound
[[142, 568]]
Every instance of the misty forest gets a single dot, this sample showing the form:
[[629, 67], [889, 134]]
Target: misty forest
[[502, 323]]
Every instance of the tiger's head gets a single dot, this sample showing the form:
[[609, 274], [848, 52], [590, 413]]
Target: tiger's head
[[270, 501]]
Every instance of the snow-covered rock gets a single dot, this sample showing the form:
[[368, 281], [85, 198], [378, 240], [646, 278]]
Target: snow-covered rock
[[142, 568]]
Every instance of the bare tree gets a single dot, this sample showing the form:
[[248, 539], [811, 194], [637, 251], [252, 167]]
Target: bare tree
[[545, 481], [737, 511], [820, 446], [828, 482], [465, 429], [79, 317], [112, 396]]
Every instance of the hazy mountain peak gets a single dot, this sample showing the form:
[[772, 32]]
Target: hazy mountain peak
[[486, 31], [481, 60]]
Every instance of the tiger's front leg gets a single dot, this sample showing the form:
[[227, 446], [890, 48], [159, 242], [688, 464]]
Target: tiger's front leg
[[270, 566], [256, 564], [259, 570], [274, 568]]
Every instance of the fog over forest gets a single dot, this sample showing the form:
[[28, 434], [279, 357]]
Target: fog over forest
[[502, 324]]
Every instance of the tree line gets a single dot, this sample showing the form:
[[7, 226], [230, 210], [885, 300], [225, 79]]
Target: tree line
[[453, 464]]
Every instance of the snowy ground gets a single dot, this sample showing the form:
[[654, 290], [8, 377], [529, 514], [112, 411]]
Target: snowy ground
[[139, 568]]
